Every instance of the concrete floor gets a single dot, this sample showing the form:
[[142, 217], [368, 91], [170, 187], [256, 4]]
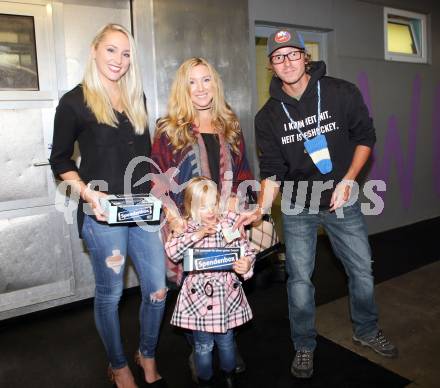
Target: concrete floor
[[409, 314]]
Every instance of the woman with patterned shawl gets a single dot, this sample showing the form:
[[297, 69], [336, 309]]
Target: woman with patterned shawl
[[200, 135]]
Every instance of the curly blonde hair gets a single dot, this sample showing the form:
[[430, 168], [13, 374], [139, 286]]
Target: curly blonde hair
[[182, 114]]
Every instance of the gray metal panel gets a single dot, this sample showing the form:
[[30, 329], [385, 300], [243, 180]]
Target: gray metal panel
[[143, 30], [82, 19], [217, 31], [35, 258], [22, 139]]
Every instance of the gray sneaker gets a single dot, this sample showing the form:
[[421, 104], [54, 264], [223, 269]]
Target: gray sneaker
[[302, 365], [379, 343]]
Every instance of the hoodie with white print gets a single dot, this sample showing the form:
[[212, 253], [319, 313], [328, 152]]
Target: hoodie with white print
[[344, 121]]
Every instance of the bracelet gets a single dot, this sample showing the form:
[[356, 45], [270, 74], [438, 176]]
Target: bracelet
[[262, 210], [78, 181], [348, 182], [85, 191]]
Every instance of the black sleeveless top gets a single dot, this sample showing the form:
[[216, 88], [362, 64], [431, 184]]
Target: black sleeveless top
[[212, 145]]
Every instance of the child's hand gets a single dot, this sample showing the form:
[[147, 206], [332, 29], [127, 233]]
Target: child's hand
[[243, 265], [206, 231]]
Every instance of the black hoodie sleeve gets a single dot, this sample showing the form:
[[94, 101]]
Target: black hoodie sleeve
[[269, 153], [360, 124]]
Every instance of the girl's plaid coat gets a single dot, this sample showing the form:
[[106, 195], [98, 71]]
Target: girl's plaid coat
[[210, 301]]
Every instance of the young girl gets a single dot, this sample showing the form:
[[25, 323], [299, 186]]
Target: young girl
[[210, 303]]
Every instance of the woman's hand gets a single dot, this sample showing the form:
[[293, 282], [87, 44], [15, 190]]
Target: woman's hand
[[248, 217], [92, 198], [243, 265], [89, 196], [177, 224]]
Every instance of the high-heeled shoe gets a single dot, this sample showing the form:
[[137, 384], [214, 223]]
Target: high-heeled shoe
[[161, 383], [111, 376]]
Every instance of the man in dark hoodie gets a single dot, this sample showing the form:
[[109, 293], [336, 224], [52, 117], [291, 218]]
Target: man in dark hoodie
[[314, 135]]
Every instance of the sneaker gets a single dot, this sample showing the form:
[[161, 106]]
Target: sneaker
[[302, 365], [379, 343]]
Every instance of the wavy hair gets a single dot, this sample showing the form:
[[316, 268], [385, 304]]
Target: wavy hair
[[132, 94], [182, 114]]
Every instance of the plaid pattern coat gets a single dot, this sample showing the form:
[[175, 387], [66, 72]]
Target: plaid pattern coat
[[210, 301]]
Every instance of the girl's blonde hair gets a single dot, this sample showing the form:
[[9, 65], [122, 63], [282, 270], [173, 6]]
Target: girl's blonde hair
[[182, 114], [200, 191], [130, 84]]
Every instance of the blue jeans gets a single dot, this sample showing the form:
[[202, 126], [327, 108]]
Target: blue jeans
[[349, 239], [109, 247], [203, 347]]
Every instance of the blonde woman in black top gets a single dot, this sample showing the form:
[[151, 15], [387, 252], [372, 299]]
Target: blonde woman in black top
[[107, 115]]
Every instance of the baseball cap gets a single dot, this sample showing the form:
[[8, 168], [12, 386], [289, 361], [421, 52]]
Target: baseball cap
[[284, 37]]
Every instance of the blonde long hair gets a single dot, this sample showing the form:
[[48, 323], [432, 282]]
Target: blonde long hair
[[200, 191], [182, 114], [130, 84]]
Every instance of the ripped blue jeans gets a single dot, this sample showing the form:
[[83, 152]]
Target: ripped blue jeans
[[109, 247], [203, 349]]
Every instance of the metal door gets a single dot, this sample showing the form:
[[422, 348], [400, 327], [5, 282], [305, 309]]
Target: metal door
[[35, 253]]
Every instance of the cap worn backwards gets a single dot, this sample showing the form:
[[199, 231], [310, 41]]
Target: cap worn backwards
[[284, 37]]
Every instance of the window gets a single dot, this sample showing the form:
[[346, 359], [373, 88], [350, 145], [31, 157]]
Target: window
[[405, 36], [18, 57], [27, 61]]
